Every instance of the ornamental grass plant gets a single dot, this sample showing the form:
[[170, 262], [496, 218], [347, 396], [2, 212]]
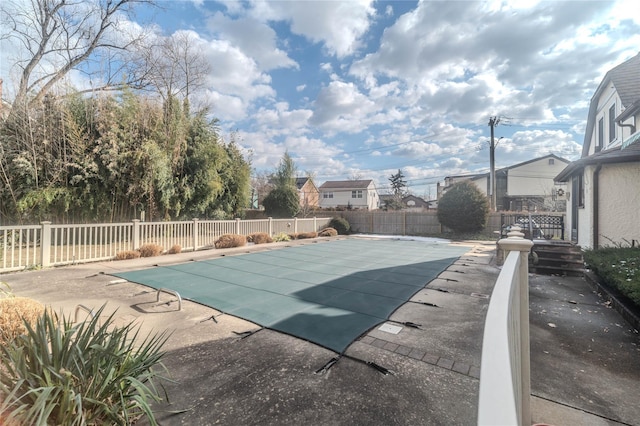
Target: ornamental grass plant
[[88, 373]]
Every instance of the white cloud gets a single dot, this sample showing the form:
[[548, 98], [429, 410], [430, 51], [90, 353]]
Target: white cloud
[[341, 107], [254, 38], [338, 25]]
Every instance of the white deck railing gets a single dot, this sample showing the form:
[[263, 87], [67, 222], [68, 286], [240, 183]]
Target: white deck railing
[[33, 246], [505, 385]]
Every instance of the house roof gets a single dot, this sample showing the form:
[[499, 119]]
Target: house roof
[[626, 80], [615, 155], [346, 184], [300, 182]]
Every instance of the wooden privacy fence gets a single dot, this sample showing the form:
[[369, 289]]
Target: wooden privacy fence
[[402, 222], [405, 222], [47, 244]]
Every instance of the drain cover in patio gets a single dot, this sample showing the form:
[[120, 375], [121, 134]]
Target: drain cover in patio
[[328, 293]]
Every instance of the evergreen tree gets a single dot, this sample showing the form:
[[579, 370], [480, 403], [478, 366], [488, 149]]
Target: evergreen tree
[[283, 200]]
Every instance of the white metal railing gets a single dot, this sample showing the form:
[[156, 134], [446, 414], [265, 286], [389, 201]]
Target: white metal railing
[[19, 247], [505, 384], [81, 243], [47, 244]]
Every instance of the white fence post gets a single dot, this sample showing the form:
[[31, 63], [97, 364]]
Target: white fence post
[[45, 244], [196, 232], [315, 224], [516, 242], [136, 234], [238, 225], [295, 225], [270, 226]]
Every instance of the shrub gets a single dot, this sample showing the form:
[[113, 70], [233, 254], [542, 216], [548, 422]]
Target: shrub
[[328, 232], [127, 254], [306, 235], [14, 313], [259, 238], [230, 240], [282, 237], [341, 225], [463, 208], [617, 267], [92, 372], [282, 202], [150, 250], [175, 249]]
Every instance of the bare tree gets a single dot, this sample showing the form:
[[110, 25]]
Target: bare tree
[[55, 37], [174, 65]]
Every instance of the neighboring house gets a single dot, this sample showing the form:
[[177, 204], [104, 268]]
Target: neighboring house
[[356, 194], [415, 203], [481, 180], [409, 202], [308, 193], [524, 186], [604, 197]]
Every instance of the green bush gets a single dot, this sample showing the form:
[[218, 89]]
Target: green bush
[[617, 267], [282, 202], [463, 208], [88, 373], [340, 224]]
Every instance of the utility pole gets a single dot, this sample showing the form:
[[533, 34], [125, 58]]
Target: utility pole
[[493, 122]]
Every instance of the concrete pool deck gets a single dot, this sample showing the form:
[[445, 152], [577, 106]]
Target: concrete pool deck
[[585, 359]]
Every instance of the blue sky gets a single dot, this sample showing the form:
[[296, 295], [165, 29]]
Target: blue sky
[[360, 88]]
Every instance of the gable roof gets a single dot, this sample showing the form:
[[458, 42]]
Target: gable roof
[[626, 80], [615, 155], [300, 182], [346, 184]]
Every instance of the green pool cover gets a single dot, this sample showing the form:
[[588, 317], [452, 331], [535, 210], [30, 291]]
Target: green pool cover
[[328, 293]]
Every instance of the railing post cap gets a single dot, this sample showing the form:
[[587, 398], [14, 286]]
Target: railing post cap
[[45, 222], [515, 241], [196, 218], [135, 220]]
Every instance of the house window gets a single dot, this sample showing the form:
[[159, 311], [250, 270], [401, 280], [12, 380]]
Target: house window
[[552, 161], [580, 190], [356, 194], [612, 123], [327, 195], [600, 134]]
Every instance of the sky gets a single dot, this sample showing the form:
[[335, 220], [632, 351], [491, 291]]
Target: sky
[[362, 88]]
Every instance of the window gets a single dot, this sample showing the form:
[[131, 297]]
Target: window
[[600, 135], [552, 161], [356, 194], [327, 195], [612, 123], [580, 190]]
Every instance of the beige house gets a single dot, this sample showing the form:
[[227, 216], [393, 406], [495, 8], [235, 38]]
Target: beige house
[[604, 196], [526, 186], [308, 193], [355, 194]]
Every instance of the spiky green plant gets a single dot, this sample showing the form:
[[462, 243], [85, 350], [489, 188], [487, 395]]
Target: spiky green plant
[[62, 373], [281, 237]]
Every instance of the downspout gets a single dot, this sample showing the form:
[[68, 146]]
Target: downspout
[[631, 126], [596, 207]]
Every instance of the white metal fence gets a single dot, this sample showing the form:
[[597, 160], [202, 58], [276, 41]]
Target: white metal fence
[[47, 244], [505, 385]]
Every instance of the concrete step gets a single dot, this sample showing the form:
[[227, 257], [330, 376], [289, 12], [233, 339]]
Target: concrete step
[[557, 258]]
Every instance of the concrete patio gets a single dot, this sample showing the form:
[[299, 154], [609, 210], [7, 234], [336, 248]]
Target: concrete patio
[[585, 357]]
